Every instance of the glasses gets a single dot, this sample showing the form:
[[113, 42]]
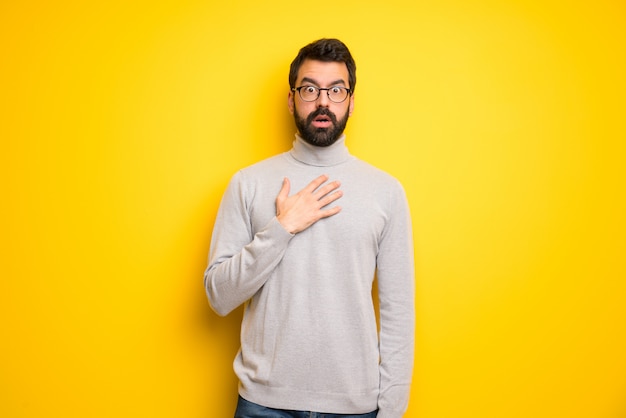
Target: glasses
[[311, 93]]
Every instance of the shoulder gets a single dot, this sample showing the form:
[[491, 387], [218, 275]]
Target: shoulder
[[265, 164], [262, 169], [376, 177], [263, 177]]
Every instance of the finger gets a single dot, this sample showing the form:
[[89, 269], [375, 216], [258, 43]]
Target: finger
[[330, 212], [316, 183], [330, 198], [327, 188]]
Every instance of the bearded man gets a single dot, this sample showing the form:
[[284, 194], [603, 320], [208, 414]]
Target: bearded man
[[304, 264]]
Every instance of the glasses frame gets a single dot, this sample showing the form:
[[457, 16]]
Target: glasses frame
[[319, 91]]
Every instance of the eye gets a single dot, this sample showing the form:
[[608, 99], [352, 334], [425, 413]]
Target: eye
[[336, 90], [309, 89]]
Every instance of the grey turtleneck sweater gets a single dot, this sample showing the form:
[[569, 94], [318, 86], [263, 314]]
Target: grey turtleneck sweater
[[309, 338]]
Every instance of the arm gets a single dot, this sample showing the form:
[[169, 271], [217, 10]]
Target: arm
[[396, 289], [240, 260]]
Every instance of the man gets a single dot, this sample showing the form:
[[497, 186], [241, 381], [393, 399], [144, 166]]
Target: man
[[304, 263]]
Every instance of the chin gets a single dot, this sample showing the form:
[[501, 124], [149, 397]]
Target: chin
[[320, 138]]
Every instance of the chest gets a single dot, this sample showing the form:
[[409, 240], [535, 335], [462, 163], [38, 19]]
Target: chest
[[359, 225]]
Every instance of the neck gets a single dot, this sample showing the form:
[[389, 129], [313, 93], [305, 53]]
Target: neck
[[320, 156]]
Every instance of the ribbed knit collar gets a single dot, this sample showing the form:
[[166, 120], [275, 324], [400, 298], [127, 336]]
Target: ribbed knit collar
[[334, 154]]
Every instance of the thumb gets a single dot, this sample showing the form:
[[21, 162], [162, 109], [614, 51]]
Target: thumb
[[284, 190]]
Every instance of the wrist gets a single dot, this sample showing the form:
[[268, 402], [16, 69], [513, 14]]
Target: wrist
[[286, 225]]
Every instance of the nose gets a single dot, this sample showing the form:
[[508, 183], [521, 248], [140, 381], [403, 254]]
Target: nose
[[322, 99]]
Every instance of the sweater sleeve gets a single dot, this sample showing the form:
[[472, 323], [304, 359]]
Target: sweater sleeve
[[396, 287], [240, 260]]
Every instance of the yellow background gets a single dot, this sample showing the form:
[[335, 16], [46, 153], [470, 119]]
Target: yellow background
[[121, 123]]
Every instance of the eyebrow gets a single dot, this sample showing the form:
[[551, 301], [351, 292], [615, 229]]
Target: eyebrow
[[310, 80]]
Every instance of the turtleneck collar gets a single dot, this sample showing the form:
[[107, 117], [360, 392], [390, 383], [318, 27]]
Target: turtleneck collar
[[334, 154]]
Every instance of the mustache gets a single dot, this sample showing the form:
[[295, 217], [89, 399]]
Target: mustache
[[319, 112]]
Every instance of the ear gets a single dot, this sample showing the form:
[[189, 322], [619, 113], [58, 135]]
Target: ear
[[351, 105], [290, 103]]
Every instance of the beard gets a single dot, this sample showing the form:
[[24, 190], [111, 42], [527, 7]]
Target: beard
[[320, 137]]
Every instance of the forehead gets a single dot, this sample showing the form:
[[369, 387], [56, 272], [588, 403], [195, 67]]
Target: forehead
[[323, 73]]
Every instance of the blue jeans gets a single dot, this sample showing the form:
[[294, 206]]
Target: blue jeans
[[247, 409]]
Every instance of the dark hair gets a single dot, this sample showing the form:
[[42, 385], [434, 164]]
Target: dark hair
[[326, 50]]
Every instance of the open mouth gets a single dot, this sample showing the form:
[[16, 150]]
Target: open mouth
[[322, 121]]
